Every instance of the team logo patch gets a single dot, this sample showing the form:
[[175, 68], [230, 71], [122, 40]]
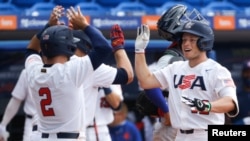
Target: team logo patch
[[45, 37]]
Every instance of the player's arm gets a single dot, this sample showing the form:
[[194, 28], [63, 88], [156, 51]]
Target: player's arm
[[122, 61], [34, 44], [101, 48], [223, 105], [112, 98], [146, 79], [9, 113]]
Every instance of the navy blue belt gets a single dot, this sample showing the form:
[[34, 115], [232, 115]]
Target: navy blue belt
[[63, 135], [191, 131]]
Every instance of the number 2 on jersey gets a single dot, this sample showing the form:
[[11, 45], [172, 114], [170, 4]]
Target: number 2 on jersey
[[46, 102]]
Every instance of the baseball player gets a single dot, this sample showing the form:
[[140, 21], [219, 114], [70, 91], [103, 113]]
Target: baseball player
[[200, 89], [20, 94], [101, 100], [57, 83], [168, 25]]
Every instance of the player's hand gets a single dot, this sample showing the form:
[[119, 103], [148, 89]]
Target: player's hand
[[55, 15], [142, 39], [76, 18], [117, 37], [200, 105], [4, 134]]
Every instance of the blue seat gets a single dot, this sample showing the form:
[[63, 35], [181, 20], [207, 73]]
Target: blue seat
[[40, 9], [198, 3], [221, 8], [111, 3], [91, 8], [8, 9], [68, 3], [154, 3], [26, 3], [131, 9], [167, 5], [241, 3]]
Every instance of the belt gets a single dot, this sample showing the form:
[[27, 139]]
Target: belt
[[90, 126], [63, 135], [34, 128], [28, 116], [191, 131]]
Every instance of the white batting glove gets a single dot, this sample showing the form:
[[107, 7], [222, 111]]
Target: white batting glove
[[142, 39], [4, 134]]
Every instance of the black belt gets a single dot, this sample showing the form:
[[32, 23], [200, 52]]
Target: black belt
[[90, 126], [191, 131], [28, 116], [63, 135], [34, 128]]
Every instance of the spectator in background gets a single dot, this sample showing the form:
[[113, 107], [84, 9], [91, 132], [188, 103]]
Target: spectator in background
[[122, 129], [243, 95]]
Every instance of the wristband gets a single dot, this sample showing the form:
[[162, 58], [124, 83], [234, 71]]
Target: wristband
[[117, 48], [209, 106], [139, 50], [107, 91], [39, 34]]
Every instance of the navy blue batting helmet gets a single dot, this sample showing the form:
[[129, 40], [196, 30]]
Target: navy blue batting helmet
[[202, 30], [58, 40], [85, 44]]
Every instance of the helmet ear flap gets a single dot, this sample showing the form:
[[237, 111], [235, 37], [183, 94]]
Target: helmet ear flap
[[200, 44]]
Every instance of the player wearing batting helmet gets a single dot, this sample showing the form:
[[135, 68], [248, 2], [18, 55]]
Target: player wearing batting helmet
[[101, 100], [168, 25], [201, 90], [57, 83]]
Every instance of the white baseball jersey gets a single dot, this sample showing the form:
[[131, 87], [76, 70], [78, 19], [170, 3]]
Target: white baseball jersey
[[92, 90], [21, 92], [104, 114], [58, 92], [207, 81]]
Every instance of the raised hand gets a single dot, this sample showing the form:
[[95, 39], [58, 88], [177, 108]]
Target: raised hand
[[117, 37], [55, 15], [76, 18], [142, 39]]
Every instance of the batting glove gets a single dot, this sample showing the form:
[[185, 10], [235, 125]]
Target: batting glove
[[142, 39], [200, 105], [4, 134], [117, 37]]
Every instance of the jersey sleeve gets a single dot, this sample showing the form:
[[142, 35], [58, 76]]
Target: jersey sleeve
[[104, 75], [117, 89], [225, 86], [20, 90], [32, 61]]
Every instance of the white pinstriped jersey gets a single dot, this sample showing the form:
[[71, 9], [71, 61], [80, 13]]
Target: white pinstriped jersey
[[207, 81], [22, 92], [58, 92]]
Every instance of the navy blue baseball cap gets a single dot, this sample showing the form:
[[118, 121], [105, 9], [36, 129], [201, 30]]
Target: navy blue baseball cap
[[58, 40]]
